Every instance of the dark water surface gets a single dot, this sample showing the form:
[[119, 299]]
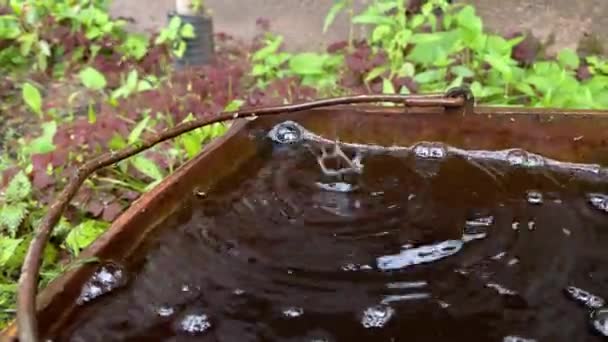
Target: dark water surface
[[310, 243]]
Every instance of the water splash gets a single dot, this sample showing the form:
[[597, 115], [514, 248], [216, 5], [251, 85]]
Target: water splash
[[534, 197], [599, 201], [287, 132], [420, 255], [599, 320], [513, 338], [428, 150], [107, 278], [293, 312], [165, 311], [377, 316], [518, 157], [584, 297], [195, 324]]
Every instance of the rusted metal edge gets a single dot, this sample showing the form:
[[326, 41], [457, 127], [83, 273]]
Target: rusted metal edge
[[28, 282]]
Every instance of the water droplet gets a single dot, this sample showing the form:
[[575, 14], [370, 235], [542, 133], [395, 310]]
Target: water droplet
[[517, 339], [195, 324], [599, 201], [293, 312], [501, 289], [377, 316], [337, 187], [566, 231], [534, 197], [499, 256], [185, 288], [522, 158], [584, 297], [107, 278], [444, 305], [599, 320], [420, 255], [238, 292], [515, 225], [165, 311], [286, 133], [531, 225]]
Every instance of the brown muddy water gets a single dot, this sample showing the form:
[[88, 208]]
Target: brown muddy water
[[316, 240]]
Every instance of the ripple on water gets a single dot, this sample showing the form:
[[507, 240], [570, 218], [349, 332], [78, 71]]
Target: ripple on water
[[106, 279]]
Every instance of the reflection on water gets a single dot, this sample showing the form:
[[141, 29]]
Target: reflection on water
[[320, 241]]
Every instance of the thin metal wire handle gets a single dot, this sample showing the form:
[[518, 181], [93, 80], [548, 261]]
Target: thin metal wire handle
[[28, 282]]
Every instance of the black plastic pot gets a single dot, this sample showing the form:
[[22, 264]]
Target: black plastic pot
[[201, 48]]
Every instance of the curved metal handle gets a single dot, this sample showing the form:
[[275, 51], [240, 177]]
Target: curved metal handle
[[28, 281]]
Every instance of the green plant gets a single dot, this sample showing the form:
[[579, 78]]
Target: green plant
[[175, 34]]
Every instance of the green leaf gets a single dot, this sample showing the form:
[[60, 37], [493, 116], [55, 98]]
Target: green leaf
[[138, 130], [19, 188], [12, 216], [234, 105], [44, 143], [147, 167], [307, 63], [568, 58], [92, 79], [428, 76], [84, 234], [462, 71], [333, 12], [375, 72], [187, 31], [8, 249], [117, 142], [387, 86], [32, 98]]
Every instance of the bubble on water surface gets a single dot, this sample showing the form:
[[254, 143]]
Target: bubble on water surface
[[287, 132], [517, 339], [534, 197], [599, 320], [195, 324], [107, 278], [420, 255], [584, 297], [293, 312], [377, 316], [599, 201]]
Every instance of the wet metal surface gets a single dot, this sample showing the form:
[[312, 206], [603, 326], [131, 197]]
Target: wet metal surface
[[417, 235]]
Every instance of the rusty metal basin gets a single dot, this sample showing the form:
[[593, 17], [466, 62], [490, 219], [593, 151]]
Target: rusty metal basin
[[560, 135]]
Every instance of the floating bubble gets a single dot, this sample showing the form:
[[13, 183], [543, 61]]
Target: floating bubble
[[515, 225], [599, 320], [534, 197], [195, 324], [377, 316], [531, 225], [420, 255], [293, 312], [584, 297], [287, 132], [518, 157], [599, 201], [107, 278]]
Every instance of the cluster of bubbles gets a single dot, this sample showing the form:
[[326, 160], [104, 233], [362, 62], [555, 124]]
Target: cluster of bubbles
[[106, 279]]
